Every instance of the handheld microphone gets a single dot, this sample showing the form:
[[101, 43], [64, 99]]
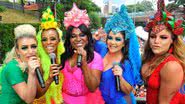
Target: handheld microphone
[[53, 57], [117, 79], [79, 60], [40, 78]]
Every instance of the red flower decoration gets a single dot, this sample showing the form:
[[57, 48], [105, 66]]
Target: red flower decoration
[[168, 25], [178, 23], [158, 17], [178, 31]]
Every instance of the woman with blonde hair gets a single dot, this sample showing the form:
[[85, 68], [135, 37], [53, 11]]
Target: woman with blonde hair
[[164, 58], [18, 75]]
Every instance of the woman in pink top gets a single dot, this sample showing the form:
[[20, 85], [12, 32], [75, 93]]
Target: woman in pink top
[[82, 79]]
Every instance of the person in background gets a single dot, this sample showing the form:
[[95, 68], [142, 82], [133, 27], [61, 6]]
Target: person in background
[[98, 43], [121, 59], [18, 75], [81, 82], [142, 37], [49, 41], [164, 58]]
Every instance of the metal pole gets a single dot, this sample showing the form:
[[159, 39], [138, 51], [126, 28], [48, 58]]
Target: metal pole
[[14, 4], [55, 4], [135, 14]]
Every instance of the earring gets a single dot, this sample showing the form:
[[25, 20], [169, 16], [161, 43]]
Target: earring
[[18, 55]]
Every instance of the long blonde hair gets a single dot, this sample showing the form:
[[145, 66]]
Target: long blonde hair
[[178, 52]]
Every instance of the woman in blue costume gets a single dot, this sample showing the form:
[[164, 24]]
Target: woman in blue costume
[[121, 59]]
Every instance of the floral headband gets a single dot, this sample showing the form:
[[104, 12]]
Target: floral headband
[[48, 21], [75, 17], [163, 19]]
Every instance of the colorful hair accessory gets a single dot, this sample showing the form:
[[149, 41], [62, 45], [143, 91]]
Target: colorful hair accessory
[[164, 17], [156, 29], [75, 17], [48, 21], [120, 22], [53, 91]]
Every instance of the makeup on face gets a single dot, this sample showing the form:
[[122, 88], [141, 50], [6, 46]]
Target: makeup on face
[[118, 39], [160, 42], [50, 40], [115, 42], [25, 47], [44, 39], [78, 39]]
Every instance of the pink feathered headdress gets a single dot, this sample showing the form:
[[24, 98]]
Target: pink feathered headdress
[[75, 17]]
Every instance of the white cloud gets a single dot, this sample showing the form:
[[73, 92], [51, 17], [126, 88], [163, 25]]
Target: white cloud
[[98, 2]]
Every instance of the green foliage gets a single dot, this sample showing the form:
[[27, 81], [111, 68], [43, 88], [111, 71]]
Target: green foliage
[[95, 20], [2, 8], [7, 38], [60, 14], [180, 2], [171, 6], [140, 7]]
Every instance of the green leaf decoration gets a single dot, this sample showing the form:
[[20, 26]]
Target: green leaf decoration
[[43, 20], [164, 16], [172, 24]]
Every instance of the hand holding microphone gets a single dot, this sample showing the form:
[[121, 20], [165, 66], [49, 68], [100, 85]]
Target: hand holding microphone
[[117, 72], [53, 58], [81, 52], [79, 60], [34, 64]]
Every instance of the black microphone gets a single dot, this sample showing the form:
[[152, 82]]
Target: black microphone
[[40, 78], [79, 60], [53, 58], [117, 79]]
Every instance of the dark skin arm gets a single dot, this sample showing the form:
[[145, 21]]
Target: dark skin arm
[[91, 76], [54, 70]]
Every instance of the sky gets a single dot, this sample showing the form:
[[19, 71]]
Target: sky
[[100, 3]]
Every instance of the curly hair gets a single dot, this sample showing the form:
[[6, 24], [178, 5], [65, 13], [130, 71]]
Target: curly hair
[[69, 51]]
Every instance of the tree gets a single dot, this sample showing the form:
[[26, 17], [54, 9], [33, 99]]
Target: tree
[[147, 5], [180, 2], [172, 6], [95, 20], [140, 7]]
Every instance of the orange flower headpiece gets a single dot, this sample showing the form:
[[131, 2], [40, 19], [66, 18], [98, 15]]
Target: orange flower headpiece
[[75, 17], [163, 19]]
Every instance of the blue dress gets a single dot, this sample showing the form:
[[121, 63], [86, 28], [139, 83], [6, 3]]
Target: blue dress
[[108, 84]]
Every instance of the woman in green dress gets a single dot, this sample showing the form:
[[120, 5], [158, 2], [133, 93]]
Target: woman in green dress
[[18, 76]]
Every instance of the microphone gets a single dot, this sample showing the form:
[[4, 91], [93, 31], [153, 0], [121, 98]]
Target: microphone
[[79, 60], [40, 78], [53, 57], [117, 79]]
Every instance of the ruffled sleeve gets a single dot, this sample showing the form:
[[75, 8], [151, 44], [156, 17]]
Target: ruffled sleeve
[[13, 73], [97, 62]]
